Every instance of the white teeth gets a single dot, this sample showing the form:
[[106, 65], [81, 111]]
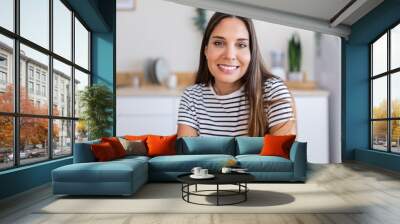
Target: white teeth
[[228, 67]]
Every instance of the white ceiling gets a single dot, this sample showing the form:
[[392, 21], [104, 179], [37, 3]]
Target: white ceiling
[[320, 9], [315, 15]]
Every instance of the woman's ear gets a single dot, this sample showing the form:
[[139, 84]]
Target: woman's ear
[[205, 51]]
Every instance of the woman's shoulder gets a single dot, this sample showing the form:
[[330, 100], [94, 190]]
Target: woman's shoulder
[[273, 81], [195, 89]]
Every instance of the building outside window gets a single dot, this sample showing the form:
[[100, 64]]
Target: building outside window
[[43, 90], [44, 77], [385, 91], [35, 52], [30, 87], [30, 72], [3, 71]]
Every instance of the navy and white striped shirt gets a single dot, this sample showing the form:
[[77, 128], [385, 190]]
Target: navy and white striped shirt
[[227, 115]]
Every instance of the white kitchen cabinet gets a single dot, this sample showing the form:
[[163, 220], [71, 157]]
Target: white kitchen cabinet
[[146, 114], [313, 126]]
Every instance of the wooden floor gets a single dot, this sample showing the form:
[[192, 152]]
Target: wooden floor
[[378, 188]]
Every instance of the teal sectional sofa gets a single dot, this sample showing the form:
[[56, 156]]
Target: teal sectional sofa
[[125, 176]]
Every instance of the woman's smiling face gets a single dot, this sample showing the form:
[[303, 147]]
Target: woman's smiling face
[[228, 51]]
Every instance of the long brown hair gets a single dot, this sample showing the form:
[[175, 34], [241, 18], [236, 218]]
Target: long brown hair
[[253, 79]]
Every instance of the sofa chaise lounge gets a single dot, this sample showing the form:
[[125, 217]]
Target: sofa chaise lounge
[[126, 175]]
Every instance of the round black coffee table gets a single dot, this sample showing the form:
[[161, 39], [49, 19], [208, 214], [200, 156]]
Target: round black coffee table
[[238, 179]]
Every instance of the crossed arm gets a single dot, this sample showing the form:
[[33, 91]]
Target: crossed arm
[[285, 128]]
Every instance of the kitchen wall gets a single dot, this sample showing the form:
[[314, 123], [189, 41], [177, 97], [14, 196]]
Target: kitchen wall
[[157, 28], [328, 66]]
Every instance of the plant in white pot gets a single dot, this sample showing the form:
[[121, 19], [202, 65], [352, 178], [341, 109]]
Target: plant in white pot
[[294, 58]]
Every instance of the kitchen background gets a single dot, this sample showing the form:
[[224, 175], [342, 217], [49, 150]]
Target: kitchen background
[[158, 44]]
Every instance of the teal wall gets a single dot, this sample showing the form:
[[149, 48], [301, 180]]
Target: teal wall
[[355, 92], [100, 17], [24, 178]]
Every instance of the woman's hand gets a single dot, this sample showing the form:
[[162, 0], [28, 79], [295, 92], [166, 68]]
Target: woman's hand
[[186, 131]]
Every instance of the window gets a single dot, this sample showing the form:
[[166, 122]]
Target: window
[[37, 75], [46, 75], [43, 90], [3, 71], [7, 14], [3, 80], [30, 87], [38, 89], [3, 61], [385, 94], [30, 72]]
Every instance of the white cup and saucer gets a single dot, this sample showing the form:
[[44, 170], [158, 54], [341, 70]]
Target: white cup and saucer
[[200, 173]]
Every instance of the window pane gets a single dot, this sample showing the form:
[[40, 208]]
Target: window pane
[[62, 29], [81, 45], [34, 72], [379, 97], [395, 128], [81, 81], [395, 94], [6, 75], [6, 142], [379, 55], [62, 138], [395, 47], [81, 131], [7, 14], [379, 135], [62, 89], [35, 21], [33, 139]]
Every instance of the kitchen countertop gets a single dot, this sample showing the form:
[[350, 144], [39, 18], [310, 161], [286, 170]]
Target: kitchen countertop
[[158, 90]]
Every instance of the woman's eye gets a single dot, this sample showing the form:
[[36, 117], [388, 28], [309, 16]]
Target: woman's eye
[[218, 43], [241, 45]]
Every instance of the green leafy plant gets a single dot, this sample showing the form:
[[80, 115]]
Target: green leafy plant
[[96, 102], [294, 53], [200, 20]]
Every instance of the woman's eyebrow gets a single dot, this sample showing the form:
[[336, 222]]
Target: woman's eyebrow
[[240, 39]]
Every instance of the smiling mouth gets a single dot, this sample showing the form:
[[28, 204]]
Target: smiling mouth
[[227, 68]]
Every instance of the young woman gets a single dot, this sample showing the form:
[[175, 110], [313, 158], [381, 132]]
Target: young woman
[[234, 94]]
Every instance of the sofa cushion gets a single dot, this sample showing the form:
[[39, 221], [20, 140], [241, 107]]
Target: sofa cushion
[[277, 145], [116, 145], [257, 163], [185, 163], [83, 152], [111, 171], [134, 147], [249, 145], [103, 151], [161, 145], [208, 145]]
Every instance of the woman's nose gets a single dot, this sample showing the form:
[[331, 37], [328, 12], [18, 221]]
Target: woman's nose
[[230, 53]]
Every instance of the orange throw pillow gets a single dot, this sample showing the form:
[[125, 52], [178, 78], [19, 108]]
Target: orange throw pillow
[[103, 151], [161, 145], [116, 145], [136, 137], [277, 145]]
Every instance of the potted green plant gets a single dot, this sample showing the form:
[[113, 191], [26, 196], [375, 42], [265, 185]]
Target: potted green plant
[[96, 102], [294, 58]]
